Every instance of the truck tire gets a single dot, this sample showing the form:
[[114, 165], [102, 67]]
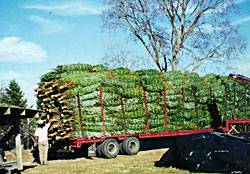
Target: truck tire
[[131, 146], [121, 151], [99, 150], [110, 148]]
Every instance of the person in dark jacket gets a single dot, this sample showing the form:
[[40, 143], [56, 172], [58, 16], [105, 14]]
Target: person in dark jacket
[[1, 148]]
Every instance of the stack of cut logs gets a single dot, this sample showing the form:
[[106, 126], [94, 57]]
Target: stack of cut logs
[[54, 101]]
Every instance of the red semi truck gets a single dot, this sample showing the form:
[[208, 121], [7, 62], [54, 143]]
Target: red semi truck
[[110, 146]]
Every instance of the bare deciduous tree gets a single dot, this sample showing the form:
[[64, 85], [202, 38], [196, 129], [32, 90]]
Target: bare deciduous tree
[[116, 57], [181, 33]]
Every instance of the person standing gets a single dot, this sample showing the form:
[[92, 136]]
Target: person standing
[[41, 135], [1, 148]]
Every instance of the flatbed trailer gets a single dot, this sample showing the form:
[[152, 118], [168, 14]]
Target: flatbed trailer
[[110, 146], [93, 143]]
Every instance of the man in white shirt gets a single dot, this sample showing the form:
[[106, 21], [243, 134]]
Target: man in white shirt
[[43, 145]]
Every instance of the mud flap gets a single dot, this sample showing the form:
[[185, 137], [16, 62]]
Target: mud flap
[[92, 150]]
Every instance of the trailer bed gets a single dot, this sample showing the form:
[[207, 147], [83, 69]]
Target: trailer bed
[[77, 143]]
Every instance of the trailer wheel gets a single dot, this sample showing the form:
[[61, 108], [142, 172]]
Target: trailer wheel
[[121, 151], [99, 149], [131, 146], [110, 148]]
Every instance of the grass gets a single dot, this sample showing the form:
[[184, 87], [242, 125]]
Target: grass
[[142, 163]]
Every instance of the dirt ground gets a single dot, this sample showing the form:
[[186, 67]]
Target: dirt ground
[[11, 155], [142, 163]]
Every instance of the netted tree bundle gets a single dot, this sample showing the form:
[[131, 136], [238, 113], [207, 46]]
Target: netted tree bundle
[[130, 92], [173, 127], [75, 67], [147, 72], [89, 78], [172, 75], [154, 87], [156, 123], [178, 82], [121, 84], [174, 91], [132, 101], [136, 114], [128, 100]]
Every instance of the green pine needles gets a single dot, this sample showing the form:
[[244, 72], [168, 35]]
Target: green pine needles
[[187, 99]]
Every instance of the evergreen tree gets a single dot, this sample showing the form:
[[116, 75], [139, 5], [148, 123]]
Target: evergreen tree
[[13, 95], [2, 88]]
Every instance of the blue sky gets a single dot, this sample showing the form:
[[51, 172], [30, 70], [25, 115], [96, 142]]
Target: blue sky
[[38, 35]]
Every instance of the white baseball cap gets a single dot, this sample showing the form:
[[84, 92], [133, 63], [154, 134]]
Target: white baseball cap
[[40, 121]]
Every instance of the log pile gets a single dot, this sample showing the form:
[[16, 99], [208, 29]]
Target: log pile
[[139, 97]]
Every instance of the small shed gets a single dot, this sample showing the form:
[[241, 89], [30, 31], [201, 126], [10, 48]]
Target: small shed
[[11, 116]]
